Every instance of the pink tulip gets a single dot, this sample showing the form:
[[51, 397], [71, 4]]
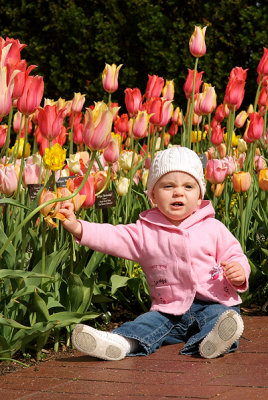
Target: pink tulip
[[19, 124], [154, 86], [8, 180], [50, 121], [132, 100], [230, 165], [32, 95], [241, 119], [31, 174], [161, 111], [111, 152], [188, 85], [216, 171], [260, 163], [197, 44], [140, 125], [110, 77], [78, 102], [97, 131], [177, 116], [208, 101]]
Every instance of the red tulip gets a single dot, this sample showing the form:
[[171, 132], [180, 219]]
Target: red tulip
[[217, 133], [50, 121], [88, 189], [256, 126], [188, 85], [262, 68], [154, 86], [32, 95], [3, 134], [132, 100], [161, 111]]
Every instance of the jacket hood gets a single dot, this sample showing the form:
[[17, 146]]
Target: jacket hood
[[155, 217]]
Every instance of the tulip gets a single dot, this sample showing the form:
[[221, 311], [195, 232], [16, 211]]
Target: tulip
[[256, 126], [188, 85], [221, 150], [168, 90], [78, 127], [22, 73], [6, 90], [50, 121], [19, 152], [241, 145], [262, 67], [125, 160], [208, 100], [217, 189], [235, 138], [154, 86], [177, 116], [54, 158], [121, 125], [32, 95], [74, 163], [217, 133], [88, 189], [78, 102], [219, 113], [14, 48], [216, 171], [8, 180], [197, 137], [161, 111], [173, 129], [241, 119], [263, 179], [132, 100], [122, 186], [31, 174], [110, 77], [197, 45], [140, 125], [260, 163], [98, 125], [230, 165], [100, 181], [3, 134], [111, 152], [235, 89], [19, 123], [262, 100], [241, 181]]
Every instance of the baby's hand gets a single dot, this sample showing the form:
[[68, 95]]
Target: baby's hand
[[70, 223], [234, 273]]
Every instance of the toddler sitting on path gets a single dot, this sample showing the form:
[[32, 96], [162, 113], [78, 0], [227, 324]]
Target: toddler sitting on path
[[194, 267]]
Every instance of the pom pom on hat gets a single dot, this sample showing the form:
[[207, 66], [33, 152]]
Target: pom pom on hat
[[176, 158]]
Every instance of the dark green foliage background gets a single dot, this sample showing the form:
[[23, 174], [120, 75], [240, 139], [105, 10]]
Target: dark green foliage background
[[71, 40]]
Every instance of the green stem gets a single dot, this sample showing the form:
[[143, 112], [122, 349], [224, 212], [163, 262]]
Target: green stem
[[190, 115], [43, 257], [37, 209], [241, 206]]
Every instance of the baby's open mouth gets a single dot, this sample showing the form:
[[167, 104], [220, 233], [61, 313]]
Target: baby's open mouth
[[177, 203]]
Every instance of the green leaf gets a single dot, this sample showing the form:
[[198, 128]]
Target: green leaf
[[66, 318], [7, 260], [93, 263], [12, 323], [17, 273], [13, 202], [117, 282], [75, 290]]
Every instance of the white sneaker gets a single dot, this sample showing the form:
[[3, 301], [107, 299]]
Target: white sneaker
[[226, 331], [100, 344]]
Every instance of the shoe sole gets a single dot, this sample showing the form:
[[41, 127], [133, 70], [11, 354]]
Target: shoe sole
[[86, 340], [226, 331]]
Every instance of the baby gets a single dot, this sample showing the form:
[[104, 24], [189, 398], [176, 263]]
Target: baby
[[193, 265]]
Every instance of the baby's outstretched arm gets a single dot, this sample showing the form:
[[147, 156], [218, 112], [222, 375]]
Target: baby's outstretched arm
[[234, 273], [71, 223]]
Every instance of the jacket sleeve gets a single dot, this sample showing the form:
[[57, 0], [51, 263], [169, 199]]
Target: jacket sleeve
[[125, 241], [229, 249]]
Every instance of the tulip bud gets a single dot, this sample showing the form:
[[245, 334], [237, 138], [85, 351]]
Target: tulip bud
[[263, 179], [241, 181], [197, 44], [122, 186], [110, 77]]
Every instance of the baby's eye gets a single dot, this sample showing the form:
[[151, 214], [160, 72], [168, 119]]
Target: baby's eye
[[188, 186], [168, 186]]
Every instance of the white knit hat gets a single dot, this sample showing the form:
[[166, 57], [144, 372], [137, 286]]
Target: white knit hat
[[176, 159]]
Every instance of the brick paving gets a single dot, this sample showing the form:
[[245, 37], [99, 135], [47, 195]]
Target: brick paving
[[163, 375]]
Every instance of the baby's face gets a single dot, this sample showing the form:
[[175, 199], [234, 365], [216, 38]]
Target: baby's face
[[177, 195]]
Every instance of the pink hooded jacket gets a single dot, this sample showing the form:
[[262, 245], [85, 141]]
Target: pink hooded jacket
[[180, 262]]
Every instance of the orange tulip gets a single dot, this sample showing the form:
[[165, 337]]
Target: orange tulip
[[263, 179], [241, 181]]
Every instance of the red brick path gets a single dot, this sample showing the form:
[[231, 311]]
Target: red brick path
[[163, 375]]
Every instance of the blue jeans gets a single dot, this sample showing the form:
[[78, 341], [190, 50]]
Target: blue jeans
[[154, 329]]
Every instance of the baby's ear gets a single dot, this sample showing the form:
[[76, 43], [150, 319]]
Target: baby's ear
[[152, 204]]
